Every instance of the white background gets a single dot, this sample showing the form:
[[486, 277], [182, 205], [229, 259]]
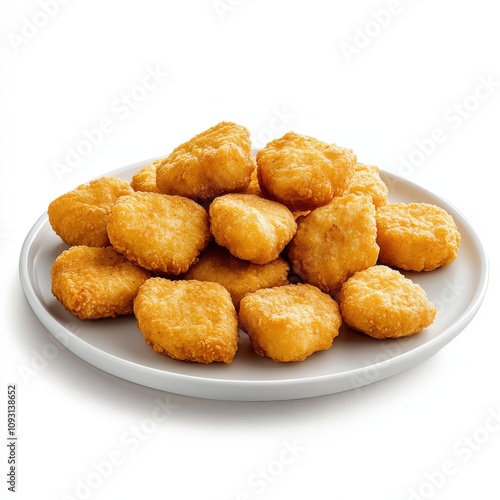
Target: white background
[[289, 65]]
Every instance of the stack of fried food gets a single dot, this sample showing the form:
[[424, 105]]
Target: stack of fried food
[[287, 246]]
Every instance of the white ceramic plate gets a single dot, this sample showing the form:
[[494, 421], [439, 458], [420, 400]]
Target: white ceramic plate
[[117, 346]]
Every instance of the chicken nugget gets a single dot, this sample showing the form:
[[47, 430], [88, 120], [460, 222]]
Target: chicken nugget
[[290, 322], [416, 236], [238, 276], [382, 303], [216, 161], [145, 178], [96, 282], [159, 232], [366, 180], [188, 320], [335, 241], [254, 187], [304, 173], [80, 217], [250, 227]]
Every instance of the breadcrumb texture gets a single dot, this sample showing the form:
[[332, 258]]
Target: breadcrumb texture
[[188, 320], [216, 161], [250, 227], [96, 282], [290, 322], [159, 232], [254, 186], [304, 173], [238, 276], [335, 241], [366, 180], [416, 236], [80, 217], [145, 178], [382, 303]]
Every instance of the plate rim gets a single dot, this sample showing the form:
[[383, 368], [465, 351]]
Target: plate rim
[[259, 389]]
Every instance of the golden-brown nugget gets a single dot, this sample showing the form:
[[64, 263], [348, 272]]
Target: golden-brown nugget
[[304, 173], [382, 303], [253, 187], [188, 320], [366, 180], [96, 282], [416, 236], [290, 322], [250, 227], [145, 178], [80, 217], [159, 232], [238, 276], [335, 241], [216, 161]]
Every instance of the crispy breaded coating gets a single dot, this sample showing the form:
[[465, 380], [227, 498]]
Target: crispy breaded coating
[[96, 282], [216, 161], [188, 320], [250, 227], [300, 213], [335, 241], [80, 217], [304, 173], [159, 232], [290, 322], [382, 303], [238, 276], [145, 178], [416, 236], [366, 180], [253, 187]]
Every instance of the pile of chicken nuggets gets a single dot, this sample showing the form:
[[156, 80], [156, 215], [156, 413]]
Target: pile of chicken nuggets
[[286, 245]]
